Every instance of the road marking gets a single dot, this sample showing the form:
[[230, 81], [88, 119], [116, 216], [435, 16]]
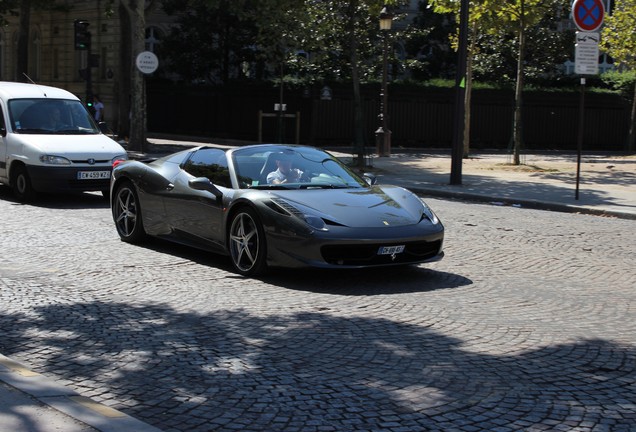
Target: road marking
[[97, 407], [17, 368]]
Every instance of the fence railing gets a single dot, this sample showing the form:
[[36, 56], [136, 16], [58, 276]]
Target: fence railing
[[417, 117]]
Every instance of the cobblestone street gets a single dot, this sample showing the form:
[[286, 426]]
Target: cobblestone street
[[529, 323]]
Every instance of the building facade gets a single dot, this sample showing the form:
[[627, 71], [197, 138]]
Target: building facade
[[54, 60]]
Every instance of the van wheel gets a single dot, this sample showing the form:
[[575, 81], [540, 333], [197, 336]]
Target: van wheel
[[21, 184]]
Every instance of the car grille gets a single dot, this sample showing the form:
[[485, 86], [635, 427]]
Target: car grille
[[367, 254]]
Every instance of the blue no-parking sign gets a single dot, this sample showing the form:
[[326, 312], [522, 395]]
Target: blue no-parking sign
[[588, 15]]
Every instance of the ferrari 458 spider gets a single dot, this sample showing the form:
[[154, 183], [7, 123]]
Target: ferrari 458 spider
[[273, 205]]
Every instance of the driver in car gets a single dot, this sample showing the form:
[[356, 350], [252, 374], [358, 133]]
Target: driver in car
[[284, 173], [54, 118]]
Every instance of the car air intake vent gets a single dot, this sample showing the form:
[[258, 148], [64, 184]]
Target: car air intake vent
[[366, 255], [288, 207]]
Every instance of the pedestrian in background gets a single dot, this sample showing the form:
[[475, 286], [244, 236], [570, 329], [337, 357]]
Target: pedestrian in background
[[98, 106]]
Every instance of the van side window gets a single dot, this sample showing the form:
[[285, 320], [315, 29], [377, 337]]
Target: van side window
[[3, 126]]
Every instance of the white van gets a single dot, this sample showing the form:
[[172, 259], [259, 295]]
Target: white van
[[50, 143]]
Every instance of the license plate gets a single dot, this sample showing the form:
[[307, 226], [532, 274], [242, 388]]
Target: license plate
[[391, 250], [93, 175]]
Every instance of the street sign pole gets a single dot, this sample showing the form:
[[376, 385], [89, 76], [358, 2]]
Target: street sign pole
[[579, 146], [588, 16]]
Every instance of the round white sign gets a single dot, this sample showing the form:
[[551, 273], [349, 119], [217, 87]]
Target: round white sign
[[147, 62]]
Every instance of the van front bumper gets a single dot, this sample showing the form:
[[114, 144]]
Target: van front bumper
[[70, 179]]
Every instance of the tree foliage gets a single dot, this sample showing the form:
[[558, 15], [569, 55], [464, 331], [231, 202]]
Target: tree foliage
[[618, 39]]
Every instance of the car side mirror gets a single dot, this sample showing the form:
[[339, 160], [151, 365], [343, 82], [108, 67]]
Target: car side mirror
[[204, 184], [370, 178]]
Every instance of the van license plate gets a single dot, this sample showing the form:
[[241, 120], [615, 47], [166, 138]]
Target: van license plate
[[391, 250], [93, 175]]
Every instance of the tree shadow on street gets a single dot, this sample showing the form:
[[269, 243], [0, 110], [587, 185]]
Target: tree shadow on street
[[234, 368]]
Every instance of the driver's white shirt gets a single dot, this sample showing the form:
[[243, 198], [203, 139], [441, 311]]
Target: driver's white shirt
[[277, 175]]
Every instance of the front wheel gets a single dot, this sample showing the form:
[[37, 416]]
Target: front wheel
[[21, 184], [127, 214], [247, 244]]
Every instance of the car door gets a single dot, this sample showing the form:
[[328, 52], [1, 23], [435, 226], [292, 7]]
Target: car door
[[197, 216]]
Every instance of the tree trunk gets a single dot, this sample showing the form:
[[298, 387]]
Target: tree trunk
[[22, 63], [137, 88], [469, 90], [358, 126], [123, 76], [632, 126], [517, 126]]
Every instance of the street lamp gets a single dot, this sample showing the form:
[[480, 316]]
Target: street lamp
[[383, 134]]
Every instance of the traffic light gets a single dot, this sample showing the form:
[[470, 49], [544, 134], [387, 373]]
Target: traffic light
[[82, 35]]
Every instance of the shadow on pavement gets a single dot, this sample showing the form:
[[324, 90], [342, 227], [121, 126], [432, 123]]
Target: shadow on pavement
[[345, 282], [60, 201], [321, 369]]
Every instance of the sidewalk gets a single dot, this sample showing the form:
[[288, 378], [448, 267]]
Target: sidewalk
[[607, 184], [29, 402]]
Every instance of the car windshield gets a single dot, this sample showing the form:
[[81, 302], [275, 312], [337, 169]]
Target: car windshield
[[50, 116], [290, 167]]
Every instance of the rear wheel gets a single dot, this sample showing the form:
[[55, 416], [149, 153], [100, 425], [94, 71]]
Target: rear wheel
[[21, 184], [127, 214], [248, 248]]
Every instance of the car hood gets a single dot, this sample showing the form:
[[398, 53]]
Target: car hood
[[377, 206], [73, 146]]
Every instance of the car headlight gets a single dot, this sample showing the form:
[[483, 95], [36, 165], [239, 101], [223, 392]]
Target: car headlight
[[284, 207], [430, 214], [54, 160], [315, 222], [121, 157]]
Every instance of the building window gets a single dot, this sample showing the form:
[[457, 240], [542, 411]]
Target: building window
[[34, 55], [153, 39], [2, 58], [56, 63]]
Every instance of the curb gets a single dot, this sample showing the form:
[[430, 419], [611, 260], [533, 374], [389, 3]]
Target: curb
[[57, 396], [525, 203]]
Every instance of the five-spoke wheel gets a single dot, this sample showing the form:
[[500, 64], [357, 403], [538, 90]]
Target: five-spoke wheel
[[127, 214], [247, 243]]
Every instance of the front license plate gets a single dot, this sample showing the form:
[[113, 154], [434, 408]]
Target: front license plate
[[93, 175], [391, 250]]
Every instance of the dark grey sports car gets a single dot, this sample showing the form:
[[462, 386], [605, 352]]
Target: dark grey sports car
[[273, 205]]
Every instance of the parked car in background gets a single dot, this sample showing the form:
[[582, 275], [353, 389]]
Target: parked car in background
[[50, 143], [273, 205]]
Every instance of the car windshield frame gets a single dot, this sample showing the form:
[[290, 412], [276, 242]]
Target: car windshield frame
[[50, 116], [320, 169]]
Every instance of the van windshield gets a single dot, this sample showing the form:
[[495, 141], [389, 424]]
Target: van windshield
[[50, 116]]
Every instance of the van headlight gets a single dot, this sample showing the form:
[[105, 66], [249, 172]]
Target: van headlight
[[54, 160], [121, 157]]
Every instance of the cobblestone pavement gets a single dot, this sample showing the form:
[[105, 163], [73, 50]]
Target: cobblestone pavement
[[529, 323]]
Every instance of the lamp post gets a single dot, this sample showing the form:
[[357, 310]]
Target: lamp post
[[383, 134]]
